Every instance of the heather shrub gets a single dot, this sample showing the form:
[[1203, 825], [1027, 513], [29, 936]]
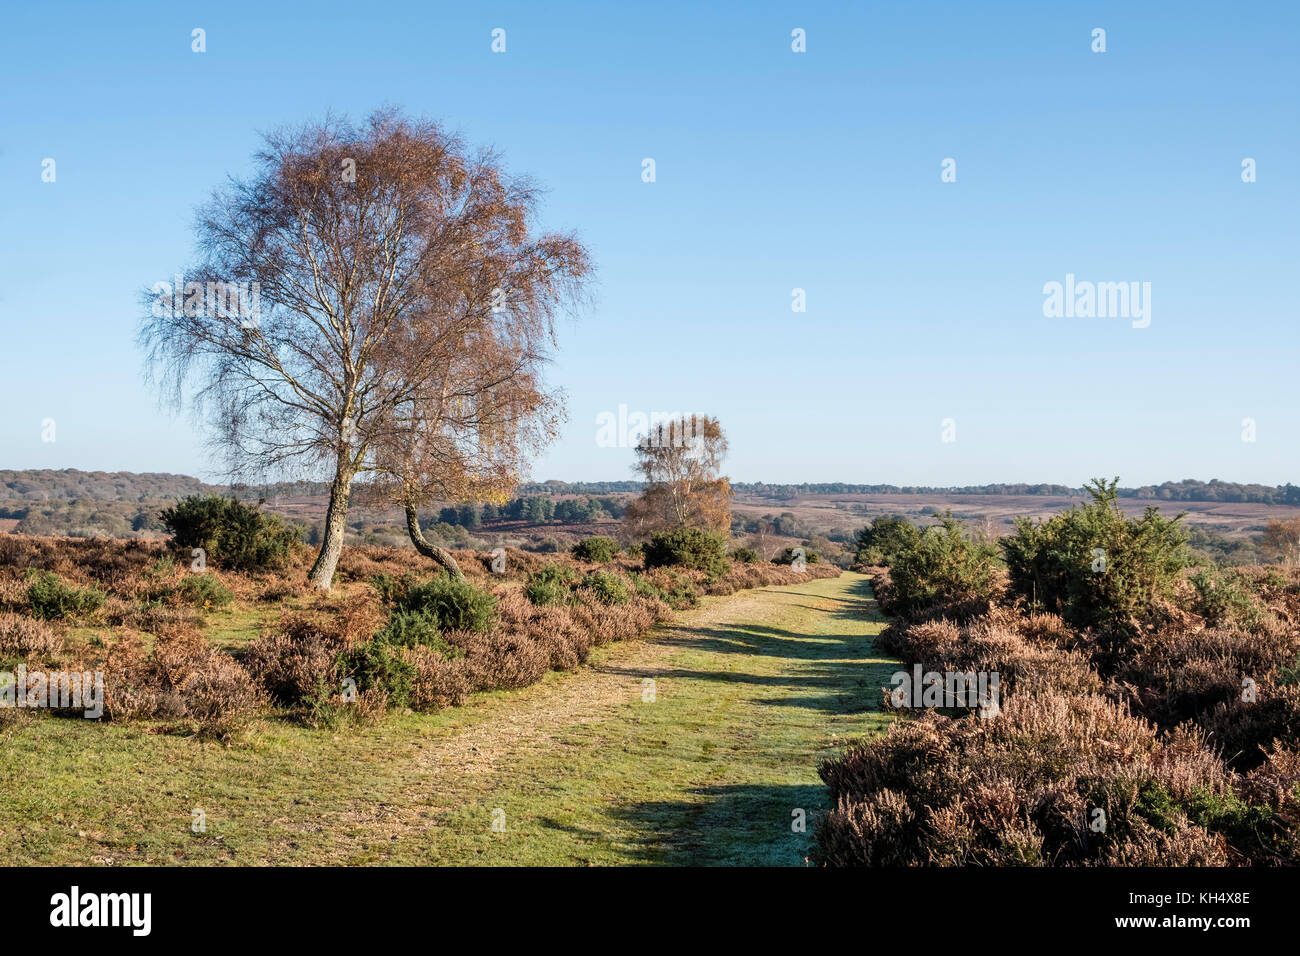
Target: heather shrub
[[183, 679], [51, 597], [437, 682], [597, 549], [501, 661], [1022, 789], [1244, 730], [294, 667], [1177, 675], [26, 637], [1094, 566], [220, 697], [992, 644], [233, 535], [692, 548]]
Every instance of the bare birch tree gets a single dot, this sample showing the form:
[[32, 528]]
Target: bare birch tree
[[380, 256]]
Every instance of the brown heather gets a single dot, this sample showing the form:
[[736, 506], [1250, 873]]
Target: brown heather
[[159, 666], [1152, 731], [181, 678], [22, 636]]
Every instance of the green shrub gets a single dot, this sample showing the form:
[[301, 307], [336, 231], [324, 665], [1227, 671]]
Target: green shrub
[[1241, 824], [597, 549], [608, 588], [51, 597], [1137, 561], [451, 605], [945, 568], [550, 585], [545, 593], [555, 573], [745, 555], [688, 548], [884, 539], [378, 665], [408, 628], [1225, 596], [636, 552], [204, 590], [232, 535]]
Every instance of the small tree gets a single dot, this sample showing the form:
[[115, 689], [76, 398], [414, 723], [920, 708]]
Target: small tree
[[680, 461]]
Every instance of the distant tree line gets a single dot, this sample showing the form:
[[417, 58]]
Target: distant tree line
[[1188, 489], [72, 484], [553, 487], [535, 509]]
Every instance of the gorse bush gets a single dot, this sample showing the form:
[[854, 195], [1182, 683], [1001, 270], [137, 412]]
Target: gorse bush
[[608, 588], [549, 585], [378, 666], [745, 556], [451, 605], [412, 628], [1095, 566], [597, 549], [232, 535], [945, 568], [51, 597], [692, 548], [884, 539], [204, 590]]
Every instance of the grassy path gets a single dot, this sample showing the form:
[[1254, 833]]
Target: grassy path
[[708, 764]]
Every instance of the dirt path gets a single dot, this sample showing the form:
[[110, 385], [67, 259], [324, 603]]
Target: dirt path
[[697, 745]]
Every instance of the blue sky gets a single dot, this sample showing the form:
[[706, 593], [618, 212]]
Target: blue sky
[[775, 170]]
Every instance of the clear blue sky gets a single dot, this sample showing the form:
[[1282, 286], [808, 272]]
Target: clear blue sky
[[775, 170]]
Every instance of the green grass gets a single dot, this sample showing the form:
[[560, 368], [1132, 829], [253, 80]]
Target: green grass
[[750, 692]]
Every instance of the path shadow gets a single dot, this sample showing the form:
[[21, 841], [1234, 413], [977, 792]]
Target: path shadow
[[731, 826]]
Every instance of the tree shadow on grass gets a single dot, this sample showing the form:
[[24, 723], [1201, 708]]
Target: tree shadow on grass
[[726, 826]]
